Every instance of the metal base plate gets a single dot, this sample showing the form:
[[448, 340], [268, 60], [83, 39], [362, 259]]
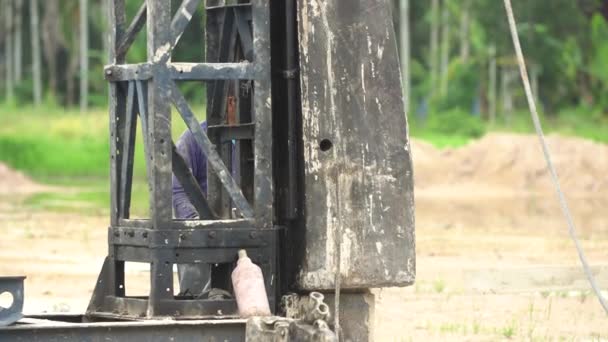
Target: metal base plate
[[67, 328], [14, 286]]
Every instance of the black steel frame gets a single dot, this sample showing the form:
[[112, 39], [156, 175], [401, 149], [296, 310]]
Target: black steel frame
[[239, 74]]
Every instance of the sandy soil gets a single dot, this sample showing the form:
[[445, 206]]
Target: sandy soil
[[494, 258]]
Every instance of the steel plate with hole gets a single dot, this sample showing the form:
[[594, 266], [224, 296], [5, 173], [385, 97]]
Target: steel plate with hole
[[13, 286]]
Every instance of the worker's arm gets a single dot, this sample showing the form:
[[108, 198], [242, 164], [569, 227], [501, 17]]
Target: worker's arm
[[197, 162]]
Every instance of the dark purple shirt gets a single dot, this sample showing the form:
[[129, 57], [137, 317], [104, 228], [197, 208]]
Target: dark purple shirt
[[197, 162]]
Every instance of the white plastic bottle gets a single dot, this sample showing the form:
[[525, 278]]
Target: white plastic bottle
[[249, 289]]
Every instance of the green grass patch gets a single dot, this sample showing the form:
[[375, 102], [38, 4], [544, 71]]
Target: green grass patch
[[69, 149], [455, 128], [54, 145], [580, 122], [64, 147], [93, 199]]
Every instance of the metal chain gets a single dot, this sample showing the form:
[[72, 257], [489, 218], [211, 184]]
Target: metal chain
[[539, 131]]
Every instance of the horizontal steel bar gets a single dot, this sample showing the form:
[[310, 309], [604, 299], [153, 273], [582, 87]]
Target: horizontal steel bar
[[134, 331], [211, 8], [182, 71], [189, 255], [190, 238], [182, 308], [188, 224], [212, 71], [232, 132]]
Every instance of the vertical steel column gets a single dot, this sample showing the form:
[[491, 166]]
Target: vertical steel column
[[159, 124], [263, 190], [290, 74], [221, 40], [117, 107]]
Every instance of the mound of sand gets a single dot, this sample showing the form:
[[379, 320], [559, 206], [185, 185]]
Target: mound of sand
[[15, 182], [513, 163]]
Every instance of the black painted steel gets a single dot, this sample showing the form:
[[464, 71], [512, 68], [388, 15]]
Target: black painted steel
[[240, 75], [12, 313], [68, 328]]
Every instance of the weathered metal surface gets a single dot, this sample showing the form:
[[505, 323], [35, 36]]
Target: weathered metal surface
[[356, 315], [182, 71], [357, 164], [148, 89], [214, 160], [14, 286], [262, 329], [205, 243], [308, 308], [71, 328]]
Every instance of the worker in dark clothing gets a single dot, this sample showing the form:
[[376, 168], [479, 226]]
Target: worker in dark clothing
[[197, 162], [194, 279]]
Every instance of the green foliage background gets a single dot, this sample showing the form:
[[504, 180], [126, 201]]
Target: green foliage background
[[565, 40]]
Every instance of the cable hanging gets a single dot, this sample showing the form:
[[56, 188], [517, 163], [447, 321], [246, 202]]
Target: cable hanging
[[539, 131]]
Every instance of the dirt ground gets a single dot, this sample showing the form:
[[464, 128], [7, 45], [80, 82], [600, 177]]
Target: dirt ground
[[494, 260]]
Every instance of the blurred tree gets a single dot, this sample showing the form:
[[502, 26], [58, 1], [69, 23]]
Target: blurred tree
[[84, 54], [18, 43], [35, 39], [53, 40], [434, 49], [8, 49], [445, 47]]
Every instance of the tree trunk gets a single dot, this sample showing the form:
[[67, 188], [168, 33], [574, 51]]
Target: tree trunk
[[72, 69], [404, 28], [35, 38], [84, 56], [534, 82], [492, 85], [445, 47], [464, 31], [8, 49], [507, 94], [50, 40], [18, 44], [434, 49]]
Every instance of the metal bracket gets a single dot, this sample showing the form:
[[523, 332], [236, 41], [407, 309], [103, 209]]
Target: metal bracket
[[309, 309], [14, 286], [279, 329]]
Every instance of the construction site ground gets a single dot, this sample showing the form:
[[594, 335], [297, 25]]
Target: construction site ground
[[494, 259]]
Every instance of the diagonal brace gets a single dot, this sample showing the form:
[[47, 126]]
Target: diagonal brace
[[132, 31], [181, 19], [213, 158]]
